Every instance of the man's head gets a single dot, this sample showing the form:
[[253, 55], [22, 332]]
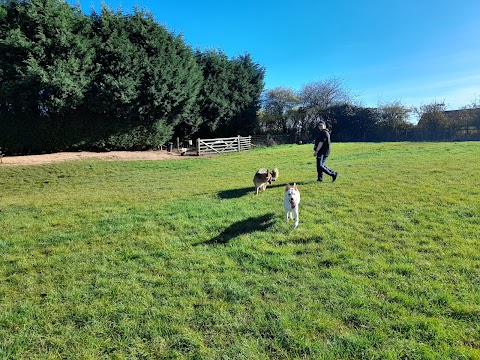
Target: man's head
[[322, 125]]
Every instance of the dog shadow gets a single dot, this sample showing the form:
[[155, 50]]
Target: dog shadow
[[238, 193], [235, 193], [250, 225]]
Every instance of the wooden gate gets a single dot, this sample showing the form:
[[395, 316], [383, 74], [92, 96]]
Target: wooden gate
[[223, 145]]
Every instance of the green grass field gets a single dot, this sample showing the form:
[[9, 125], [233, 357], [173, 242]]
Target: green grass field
[[179, 259]]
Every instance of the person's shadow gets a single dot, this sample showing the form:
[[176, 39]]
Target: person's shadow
[[250, 225]]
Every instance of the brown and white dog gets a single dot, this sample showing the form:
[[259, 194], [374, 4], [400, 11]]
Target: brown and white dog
[[291, 202], [263, 177]]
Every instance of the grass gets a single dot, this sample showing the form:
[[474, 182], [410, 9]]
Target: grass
[[180, 259]]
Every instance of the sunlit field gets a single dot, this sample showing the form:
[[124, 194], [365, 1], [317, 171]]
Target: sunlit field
[[180, 259]]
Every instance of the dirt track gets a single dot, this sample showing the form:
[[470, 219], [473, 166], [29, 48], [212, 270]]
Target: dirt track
[[69, 156]]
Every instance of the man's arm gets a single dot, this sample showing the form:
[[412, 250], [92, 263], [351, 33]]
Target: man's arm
[[319, 143], [317, 148]]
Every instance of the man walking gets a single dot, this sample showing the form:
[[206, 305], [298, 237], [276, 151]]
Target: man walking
[[321, 151]]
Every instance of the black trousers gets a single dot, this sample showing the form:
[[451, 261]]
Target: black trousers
[[322, 168]]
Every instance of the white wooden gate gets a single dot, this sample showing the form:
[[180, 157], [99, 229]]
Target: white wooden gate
[[223, 145]]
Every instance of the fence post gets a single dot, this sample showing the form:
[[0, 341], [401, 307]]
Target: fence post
[[238, 139], [198, 146]]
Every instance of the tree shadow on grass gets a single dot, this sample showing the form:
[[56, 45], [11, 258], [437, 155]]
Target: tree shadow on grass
[[250, 225]]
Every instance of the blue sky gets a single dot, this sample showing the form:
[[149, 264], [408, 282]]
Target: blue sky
[[413, 51]]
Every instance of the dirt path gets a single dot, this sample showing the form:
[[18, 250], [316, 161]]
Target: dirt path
[[81, 155]]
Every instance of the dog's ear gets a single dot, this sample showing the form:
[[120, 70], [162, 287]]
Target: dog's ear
[[287, 187], [295, 186]]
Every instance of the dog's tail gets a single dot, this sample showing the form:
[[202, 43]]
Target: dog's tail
[[274, 174]]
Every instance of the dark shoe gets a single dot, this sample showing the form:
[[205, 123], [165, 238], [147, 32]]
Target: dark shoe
[[334, 176], [320, 180]]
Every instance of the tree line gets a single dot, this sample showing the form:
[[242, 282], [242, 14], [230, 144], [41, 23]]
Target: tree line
[[113, 81], [296, 114]]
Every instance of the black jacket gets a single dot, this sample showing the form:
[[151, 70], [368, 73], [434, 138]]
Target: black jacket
[[323, 136]]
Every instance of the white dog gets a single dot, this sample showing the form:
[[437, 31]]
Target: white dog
[[291, 202]]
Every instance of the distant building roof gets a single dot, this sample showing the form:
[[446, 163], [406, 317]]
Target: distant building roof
[[470, 114]]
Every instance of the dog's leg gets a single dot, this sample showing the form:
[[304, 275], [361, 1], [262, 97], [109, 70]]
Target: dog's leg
[[289, 216], [295, 224]]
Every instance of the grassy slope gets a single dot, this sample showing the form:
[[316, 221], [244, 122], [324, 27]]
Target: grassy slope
[[180, 258]]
